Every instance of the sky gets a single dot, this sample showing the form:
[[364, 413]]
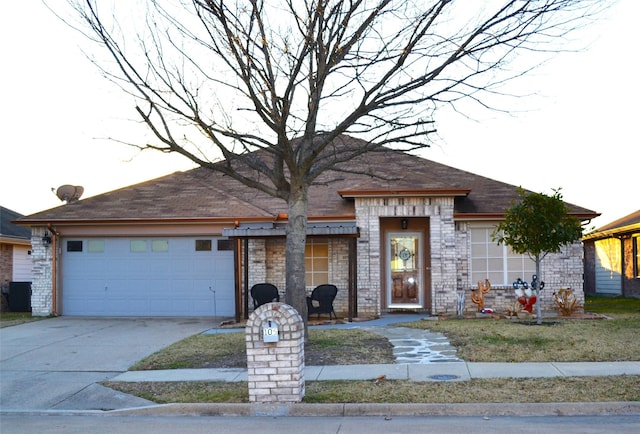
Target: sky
[[578, 133]]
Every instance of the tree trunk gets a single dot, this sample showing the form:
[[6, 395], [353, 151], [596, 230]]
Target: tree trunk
[[295, 251], [538, 301]]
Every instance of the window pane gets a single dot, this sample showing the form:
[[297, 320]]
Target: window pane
[[74, 246], [495, 265], [496, 278], [160, 246], [138, 246], [224, 245], [478, 235], [320, 250], [495, 250], [203, 245], [320, 278], [320, 264], [479, 265], [95, 246], [515, 264]]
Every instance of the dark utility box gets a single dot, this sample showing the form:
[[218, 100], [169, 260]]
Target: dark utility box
[[20, 296]]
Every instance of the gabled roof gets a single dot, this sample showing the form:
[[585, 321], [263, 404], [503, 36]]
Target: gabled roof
[[625, 225], [204, 194], [10, 232]]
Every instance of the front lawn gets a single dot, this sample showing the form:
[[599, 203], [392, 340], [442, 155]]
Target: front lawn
[[487, 340]]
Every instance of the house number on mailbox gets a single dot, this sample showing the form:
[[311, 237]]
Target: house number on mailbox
[[270, 332]]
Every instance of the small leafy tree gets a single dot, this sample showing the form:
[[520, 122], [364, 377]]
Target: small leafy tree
[[538, 225]]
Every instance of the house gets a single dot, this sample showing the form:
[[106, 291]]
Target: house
[[612, 258], [15, 260], [392, 231]]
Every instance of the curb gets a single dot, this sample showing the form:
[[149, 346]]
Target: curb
[[388, 410]]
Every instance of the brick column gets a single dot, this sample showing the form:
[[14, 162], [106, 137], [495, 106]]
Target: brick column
[[275, 369]]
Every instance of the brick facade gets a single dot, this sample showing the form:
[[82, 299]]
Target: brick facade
[[442, 243], [273, 270], [275, 369], [6, 264], [449, 248], [450, 251]]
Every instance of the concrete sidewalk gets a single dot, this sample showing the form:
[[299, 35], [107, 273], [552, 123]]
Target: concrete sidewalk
[[446, 371]]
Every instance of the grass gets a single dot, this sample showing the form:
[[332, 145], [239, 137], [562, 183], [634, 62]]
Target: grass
[[612, 305], [8, 319], [507, 390], [228, 350], [569, 340], [487, 340]]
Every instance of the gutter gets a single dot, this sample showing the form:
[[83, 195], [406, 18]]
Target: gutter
[[54, 270]]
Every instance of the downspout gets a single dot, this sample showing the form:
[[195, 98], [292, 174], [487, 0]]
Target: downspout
[[54, 270], [237, 249]]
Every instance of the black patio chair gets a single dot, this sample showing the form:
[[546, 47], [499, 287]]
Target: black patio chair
[[321, 300], [263, 293]]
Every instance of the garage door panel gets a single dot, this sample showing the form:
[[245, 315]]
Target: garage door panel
[[120, 282], [86, 295]]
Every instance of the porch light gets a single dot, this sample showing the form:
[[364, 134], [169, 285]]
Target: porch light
[[404, 223], [46, 239]]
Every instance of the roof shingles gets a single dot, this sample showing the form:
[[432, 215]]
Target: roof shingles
[[202, 193]]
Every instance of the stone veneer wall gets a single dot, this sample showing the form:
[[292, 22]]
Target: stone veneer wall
[[42, 283]]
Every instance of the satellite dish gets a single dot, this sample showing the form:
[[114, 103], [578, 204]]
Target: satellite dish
[[69, 193]]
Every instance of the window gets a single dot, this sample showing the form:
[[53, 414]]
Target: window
[[203, 245], [138, 246], [498, 263], [159, 245], [74, 246], [95, 246], [317, 262], [224, 245]]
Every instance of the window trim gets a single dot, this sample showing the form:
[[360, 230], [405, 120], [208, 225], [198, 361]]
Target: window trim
[[636, 256]]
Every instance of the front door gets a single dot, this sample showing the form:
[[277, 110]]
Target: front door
[[405, 281]]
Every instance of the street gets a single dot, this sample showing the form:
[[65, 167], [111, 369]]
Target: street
[[109, 423]]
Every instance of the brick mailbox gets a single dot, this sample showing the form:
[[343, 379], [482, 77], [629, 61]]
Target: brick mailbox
[[275, 354]]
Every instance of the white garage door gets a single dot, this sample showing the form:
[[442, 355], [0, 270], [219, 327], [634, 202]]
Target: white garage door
[[147, 277]]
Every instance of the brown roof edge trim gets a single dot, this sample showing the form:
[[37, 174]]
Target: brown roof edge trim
[[191, 220], [476, 216], [337, 218], [394, 192], [495, 216], [200, 220]]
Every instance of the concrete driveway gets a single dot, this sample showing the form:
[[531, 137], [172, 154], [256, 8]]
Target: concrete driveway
[[54, 364]]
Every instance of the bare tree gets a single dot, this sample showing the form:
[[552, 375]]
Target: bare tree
[[216, 80]]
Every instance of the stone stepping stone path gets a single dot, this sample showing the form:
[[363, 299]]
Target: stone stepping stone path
[[418, 346]]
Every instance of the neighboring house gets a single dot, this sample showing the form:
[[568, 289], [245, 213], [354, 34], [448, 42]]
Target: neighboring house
[[612, 258], [15, 252], [394, 232]]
